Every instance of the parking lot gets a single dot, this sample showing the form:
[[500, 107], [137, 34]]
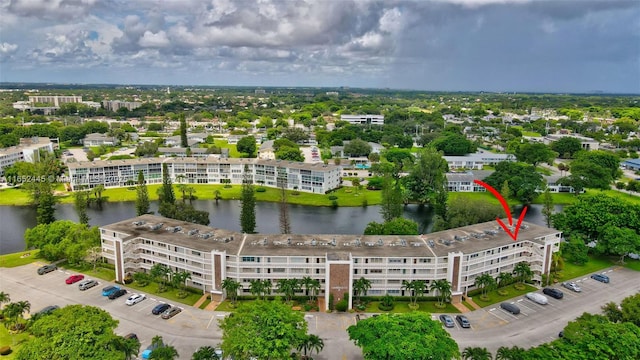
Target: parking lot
[[491, 327]]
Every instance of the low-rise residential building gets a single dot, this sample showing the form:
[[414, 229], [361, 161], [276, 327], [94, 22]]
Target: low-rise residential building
[[266, 150], [632, 164], [183, 152], [97, 139], [477, 161], [115, 105], [586, 142], [313, 178], [363, 119], [212, 255], [28, 150]]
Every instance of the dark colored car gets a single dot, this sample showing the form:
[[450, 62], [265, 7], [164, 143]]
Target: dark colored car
[[600, 277], [131, 336], [512, 308], [169, 313], [554, 293], [47, 310], [109, 290], [116, 294], [463, 321], [447, 321], [561, 334], [74, 279], [46, 269], [160, 308]]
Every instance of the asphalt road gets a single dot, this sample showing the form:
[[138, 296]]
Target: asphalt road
[[192, 328]]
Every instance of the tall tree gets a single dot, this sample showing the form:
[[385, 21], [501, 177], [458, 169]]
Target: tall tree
[[166, 193], [427, 177], [285, 220], [476, 353], [206, 353], [360, 287], [80, 203], [97, 192], [535, 153], [443, 287], [247, 145], [547, 206], [231, 287], [408, 336], [142, 196], [391, 206], [523, 271], [524, 181], [263, 330], [248, 203], [183, 132], [311, 343]]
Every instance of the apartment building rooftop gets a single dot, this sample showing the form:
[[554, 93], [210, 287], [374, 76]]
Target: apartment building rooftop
[[468, 239]]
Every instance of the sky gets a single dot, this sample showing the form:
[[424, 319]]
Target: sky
[[439, 45]]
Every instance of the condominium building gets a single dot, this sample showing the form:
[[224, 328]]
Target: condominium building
[[587, 143], [363, 119], [212, 255], [28, 150], [55, 100], [114, 105], [313, 178], [477, 161]]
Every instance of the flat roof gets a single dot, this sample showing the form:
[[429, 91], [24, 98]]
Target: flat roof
[[468, 239]]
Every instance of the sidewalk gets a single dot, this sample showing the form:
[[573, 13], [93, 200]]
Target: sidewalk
[[472, 303]]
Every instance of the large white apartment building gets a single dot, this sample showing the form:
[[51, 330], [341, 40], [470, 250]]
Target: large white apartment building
[[28, 150], [477, 161], [55, 100], [212, 255], [363, 119], [314, 178]]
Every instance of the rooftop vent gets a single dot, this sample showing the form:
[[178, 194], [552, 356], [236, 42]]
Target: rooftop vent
[[193, 232], [370, 244], [358, 242], [139, 223], [403, 242], [333, 242], [380, 242], [431, 243], [157, 226], [314, 242]]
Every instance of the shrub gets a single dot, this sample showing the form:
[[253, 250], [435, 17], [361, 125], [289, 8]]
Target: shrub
[[331, 302], [261, 189], [228, 186], [307, 307], [334, 204], [342, 305], [384, 307], [5, 350], [128, 279], [333, 197], [295, 192], [365, 203]]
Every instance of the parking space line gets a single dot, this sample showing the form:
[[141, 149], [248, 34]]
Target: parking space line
[[211, 320], [491, 311]]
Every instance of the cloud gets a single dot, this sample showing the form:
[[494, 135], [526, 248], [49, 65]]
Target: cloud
[[157, 40], [6, 48], [51, 9]]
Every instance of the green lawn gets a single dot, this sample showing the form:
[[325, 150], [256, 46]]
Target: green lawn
[[13, 340], [205, 303], [596, 263], [224, 144], [19, 258], [100, 272], [494, 297], [170, 294], [632, 264], [403, 307], [226, 306]]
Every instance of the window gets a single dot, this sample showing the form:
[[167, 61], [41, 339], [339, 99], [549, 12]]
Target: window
[[375, 271], [395, 261], [196, 253], [424, 261], [250, 259]]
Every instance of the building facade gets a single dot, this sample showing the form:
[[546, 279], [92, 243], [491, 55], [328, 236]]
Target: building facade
[[212, 255], [313, 178], [97, 139], [28, 150], [363, 119], [587, 143], [114, 105], [477, 161], [55, 100]]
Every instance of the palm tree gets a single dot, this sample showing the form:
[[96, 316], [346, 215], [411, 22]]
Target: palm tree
[[217, 195], [360, 287], [191, 190], [97, 191], [311, 343], [129, 347], [557, 262], [183, 189], [4, 298], [256, 287], [523, 272], [288, 287], [443, 287], [160, 273], [179, 280], [504, 279], [231, 287], [476, 353], [306, 282], [416, 289], [485, 282], [267, 285], [506, 353], [314, 289], [15, 311], [166, 352], [205, 353]]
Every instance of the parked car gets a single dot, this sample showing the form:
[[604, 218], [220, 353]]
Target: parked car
[[447, 321], [601, 277], [116, 294], [135, 298], [561, 334], [87, 284], [572, 286], [46, 269], [537, 298], [463, 321], [110, 290], [160, 308], [512, 308], [131, 336], [74, 279], [553, 292], [169, 313], [47, 310]]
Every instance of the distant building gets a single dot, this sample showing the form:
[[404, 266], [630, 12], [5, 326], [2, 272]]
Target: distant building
[[477, 161], [182, 152], [54, 100], [97, 139], [633, 164], [586, 142], [176, 141], [363, 119], [28, 150], [114, 105], [266, 151], [463, 181]]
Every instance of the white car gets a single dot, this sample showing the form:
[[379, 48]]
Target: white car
[[572, 286], [135, 298], [537, 298]]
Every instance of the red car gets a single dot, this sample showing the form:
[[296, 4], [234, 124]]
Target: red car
[[74, 279]]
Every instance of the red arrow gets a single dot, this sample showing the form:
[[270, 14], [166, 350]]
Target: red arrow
[[507, 210]]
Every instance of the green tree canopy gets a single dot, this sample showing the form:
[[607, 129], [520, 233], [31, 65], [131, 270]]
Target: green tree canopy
[[357, 147], [263, 330], [598, 169], [247, 145], [535, 153], [566, 147], [409, 336], [72, 332], [427, 177], [396, 226], [454, 144], [524, 182]]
